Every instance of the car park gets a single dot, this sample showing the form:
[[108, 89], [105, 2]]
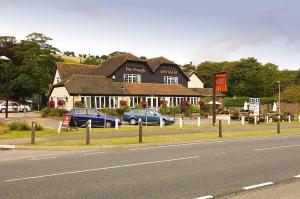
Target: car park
[[80, 116], [146, 116]]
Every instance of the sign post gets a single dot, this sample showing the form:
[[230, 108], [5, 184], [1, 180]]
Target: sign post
[[219, 85]]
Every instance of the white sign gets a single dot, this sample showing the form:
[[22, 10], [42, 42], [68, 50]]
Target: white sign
[[254, 105]]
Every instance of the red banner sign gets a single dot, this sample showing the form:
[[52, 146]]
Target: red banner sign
[[66, 121], [221, 81]]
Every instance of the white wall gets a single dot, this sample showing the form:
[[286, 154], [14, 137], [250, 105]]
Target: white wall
[[55, 77], [61, 92], [195, 82]]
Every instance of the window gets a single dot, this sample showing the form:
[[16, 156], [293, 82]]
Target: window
[[193, 100], [131, 78], [134, 101], [179, 101], [57, 80], [170, 80]]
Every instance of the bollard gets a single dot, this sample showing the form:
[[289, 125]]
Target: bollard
[[140, 132], [180, 122], [161, 122], [229, 120], [199, 122], [220, 129], [298, 118], [278, 125], [289, 118], [267, 119], [59, 127], [255, 119], [116, 124], [33, 133], [88, 131], [243, 120]]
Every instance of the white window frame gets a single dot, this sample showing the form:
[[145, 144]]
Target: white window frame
[[134, 101], [179, 101], [193, 100], [170, 80], [132, 78]]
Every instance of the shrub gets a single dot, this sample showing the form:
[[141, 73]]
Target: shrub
[[23, 125], [79, 104], [53, 112], [3, 127]]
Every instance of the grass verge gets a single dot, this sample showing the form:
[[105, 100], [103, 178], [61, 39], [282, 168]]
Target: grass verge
[[171, 138]]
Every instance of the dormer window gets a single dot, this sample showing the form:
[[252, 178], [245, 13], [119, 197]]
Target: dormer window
[[170, 80], [132, 78]]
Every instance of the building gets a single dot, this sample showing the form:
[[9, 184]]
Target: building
[[123, 77]]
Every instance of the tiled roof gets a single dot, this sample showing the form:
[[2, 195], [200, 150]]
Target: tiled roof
[[154, 63], [113, 63], [207, 92], [159, 89], [100, 85]]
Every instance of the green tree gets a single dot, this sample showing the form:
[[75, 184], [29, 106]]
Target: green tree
[[291, 94], [92, 61]]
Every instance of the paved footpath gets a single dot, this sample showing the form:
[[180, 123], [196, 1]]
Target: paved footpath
[[283, 191]]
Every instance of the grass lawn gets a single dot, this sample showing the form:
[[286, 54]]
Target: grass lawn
[[171, 138]]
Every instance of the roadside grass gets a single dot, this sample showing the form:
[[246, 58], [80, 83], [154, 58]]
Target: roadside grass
[[184, 137], [46, 132]]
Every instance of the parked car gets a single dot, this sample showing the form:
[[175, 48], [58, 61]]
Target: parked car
[[81, 115], [12, 106], [24, 108], [146, 115]]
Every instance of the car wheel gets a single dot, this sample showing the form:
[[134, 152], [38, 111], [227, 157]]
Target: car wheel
[[133, 121], [108, 124], [3, 110]]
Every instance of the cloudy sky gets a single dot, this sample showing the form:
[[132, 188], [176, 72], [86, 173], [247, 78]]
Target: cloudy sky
[[183, 31]]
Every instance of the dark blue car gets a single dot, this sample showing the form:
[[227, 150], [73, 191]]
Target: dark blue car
[[147, 116], [81, 115]]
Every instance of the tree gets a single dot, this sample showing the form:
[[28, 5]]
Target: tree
[[291, 94], [92, 61], [297, 78]]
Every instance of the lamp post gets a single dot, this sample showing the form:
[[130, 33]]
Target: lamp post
[[4, 58], [278, 122]]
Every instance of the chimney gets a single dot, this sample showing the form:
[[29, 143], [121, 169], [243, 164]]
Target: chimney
[[192, 67]]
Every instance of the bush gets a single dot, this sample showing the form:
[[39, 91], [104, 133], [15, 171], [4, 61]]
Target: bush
[[3, 127], [53, 112], [79, 104], [23, 125]]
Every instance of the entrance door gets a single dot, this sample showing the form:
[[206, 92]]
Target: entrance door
[[152, 101]]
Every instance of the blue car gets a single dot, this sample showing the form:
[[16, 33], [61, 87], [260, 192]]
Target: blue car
[[81, 115], [146, 116]]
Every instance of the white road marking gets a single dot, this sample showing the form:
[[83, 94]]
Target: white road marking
[[43, 158], [298, 176], [258, 185], [93, 153], [277, 147], [205, 197], [103, 168], [7, 146], [211, 142]]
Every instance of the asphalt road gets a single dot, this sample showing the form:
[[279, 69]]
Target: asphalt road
[[189, 170]]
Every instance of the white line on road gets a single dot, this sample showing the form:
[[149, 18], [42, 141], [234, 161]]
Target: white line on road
[[258, 185], [93, 153], [103, 168], [298, 176], [277, 147], [205, 197], [44, 158], [211, 142]]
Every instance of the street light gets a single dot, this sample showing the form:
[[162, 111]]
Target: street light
[[278, 122], [4, 58]]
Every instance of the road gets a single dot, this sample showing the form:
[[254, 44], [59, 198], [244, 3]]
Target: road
[[188, 170]]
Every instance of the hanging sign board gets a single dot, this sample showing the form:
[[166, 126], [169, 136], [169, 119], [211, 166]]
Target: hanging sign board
[[221, 81], [254, 105]]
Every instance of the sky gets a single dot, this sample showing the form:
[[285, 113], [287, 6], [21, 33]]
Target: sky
[[183, 31]]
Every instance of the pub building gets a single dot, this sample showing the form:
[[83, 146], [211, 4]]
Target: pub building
[[125, 77]]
